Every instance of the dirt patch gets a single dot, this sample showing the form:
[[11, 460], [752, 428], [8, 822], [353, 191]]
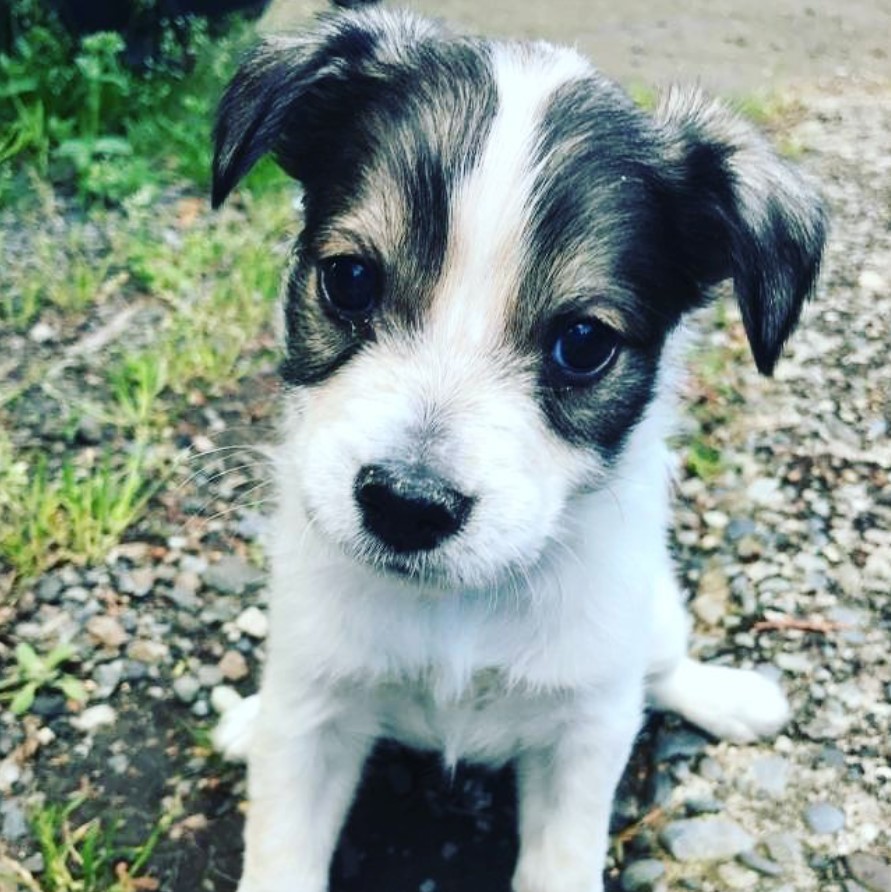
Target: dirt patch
[[729, 46]]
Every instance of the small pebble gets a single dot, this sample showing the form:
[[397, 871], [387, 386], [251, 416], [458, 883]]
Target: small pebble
[[642, 876], [703, 805], [681, 743], [13, 821], [107, 631], [784, 848], [705, 839], [760, 864], [769, 775], [49, 588], [119, 763], [186, 688], [871, 871], [148, 652], [93, 718], [253, 622], [233, 575], [107, 677], [138, 582], [233, 666], [824, 818], [209, 676]]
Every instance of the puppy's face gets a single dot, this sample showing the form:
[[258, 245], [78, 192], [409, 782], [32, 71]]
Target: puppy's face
[[497, 244]]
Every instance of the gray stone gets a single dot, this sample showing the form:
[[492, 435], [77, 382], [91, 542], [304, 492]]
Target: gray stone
[[138, 582], [89, 431], [711, 769], [769, 775], [193, 563], [233, 575], [49, 588], [252, 621], [107, 677], [252, 525], [78, 593], [760, 864], [739, 527], [186, 688], [209, 675], [734, 876], [14, 824], [705, 839], [183, 598], [824, 818], [703, 805], [642, 876], [676, 744], [93, 718], [870, 871], [219, 610], [783, 847], [119, 763]]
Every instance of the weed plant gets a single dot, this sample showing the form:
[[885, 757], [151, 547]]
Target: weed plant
[[88, 856], [76, 113], [75, 513]]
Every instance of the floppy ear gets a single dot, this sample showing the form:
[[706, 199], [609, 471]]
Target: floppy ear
[[263, 101], [291, 93], [744, 214]]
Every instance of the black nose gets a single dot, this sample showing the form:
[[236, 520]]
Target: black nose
[[409, 508]]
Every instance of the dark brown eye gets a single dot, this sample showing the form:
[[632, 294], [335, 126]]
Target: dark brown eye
[[351, 285], [582, 351]]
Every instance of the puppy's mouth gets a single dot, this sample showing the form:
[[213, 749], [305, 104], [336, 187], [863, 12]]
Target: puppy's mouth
[[422, 568]]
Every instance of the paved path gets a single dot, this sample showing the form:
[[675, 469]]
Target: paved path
[[732, 47]]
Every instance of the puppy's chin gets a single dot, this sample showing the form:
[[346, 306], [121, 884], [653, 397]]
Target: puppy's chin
[[440, 570]]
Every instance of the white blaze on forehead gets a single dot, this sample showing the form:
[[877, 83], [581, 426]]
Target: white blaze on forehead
[[490, 208]]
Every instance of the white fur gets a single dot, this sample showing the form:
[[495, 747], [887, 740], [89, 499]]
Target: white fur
[[553, 612]]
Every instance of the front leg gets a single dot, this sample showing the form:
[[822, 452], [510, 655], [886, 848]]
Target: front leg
[[303, 768], [566, 794]]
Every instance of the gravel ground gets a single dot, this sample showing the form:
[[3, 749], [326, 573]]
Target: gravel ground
[[786, 553]]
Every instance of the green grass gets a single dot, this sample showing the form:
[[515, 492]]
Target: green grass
[[72, 513], [87, 855]]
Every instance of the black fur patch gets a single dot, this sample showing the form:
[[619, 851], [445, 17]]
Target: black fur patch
[[396, 134], [602, 243]]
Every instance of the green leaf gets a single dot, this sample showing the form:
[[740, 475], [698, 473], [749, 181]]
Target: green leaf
[[18, 86], [22, 701], [28, 660], [61, 653], [71, 688]]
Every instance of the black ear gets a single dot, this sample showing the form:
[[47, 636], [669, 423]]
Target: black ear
[[743, 213], [263, 101], [278, 99]]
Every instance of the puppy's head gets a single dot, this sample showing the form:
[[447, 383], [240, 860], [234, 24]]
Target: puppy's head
[[497, 244]]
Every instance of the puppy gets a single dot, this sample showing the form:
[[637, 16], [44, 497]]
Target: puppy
[[470, 551]]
